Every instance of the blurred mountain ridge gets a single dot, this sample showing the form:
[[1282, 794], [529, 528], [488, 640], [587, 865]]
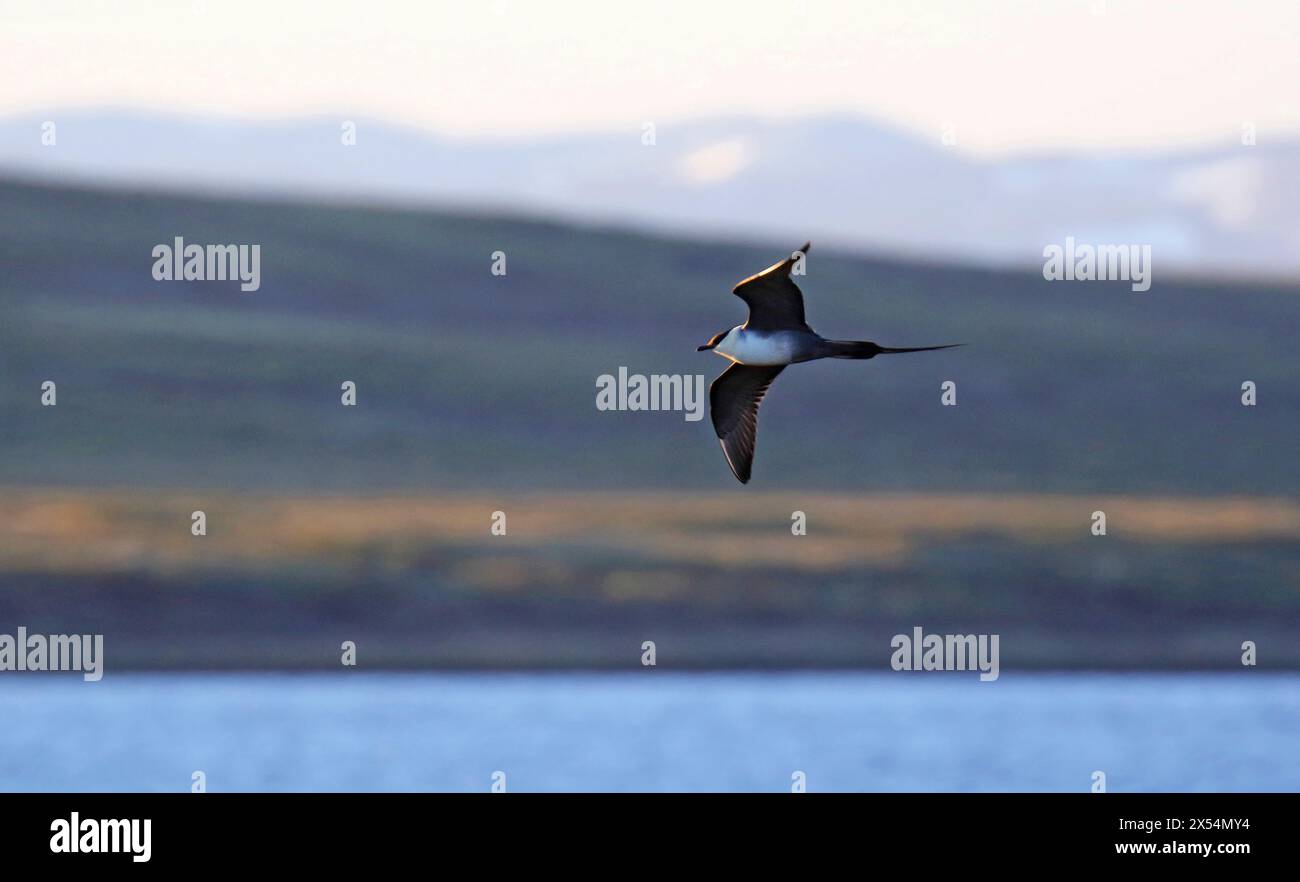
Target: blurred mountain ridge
[[844, 180]]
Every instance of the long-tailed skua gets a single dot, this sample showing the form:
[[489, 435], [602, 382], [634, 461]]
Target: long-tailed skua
[[775, 335]]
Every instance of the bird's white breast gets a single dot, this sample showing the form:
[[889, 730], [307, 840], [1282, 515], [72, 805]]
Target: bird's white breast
[[755, 347]]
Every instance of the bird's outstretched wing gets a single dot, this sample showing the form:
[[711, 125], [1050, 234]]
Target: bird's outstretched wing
[[734, 398], [775, 302]]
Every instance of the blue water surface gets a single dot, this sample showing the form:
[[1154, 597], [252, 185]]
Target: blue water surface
[[650, 730]]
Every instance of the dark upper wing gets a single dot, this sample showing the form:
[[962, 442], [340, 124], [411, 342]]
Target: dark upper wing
[[734, 398], [774, 300]]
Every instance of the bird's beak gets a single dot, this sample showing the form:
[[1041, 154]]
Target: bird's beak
[[705, 348]]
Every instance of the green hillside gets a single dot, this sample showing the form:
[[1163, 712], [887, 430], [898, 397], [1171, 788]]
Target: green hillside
[[477, 393], [469, 380]]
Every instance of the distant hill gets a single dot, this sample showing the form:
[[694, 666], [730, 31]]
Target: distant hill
[[476, 392], [470, 380], [845, 181]]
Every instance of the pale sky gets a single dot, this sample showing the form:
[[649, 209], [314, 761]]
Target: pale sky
[[1004, 76]]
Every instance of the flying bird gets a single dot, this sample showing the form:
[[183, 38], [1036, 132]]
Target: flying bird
[[775, 335]]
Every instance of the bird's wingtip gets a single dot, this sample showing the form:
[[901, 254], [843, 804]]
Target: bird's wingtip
[[726, 454]]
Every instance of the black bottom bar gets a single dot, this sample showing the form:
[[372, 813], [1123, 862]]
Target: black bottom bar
[[332, 830]]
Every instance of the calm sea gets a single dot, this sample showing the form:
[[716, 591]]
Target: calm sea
[[650, 730]]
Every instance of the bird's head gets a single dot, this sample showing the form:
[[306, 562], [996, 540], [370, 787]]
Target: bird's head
[[714, 340]]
